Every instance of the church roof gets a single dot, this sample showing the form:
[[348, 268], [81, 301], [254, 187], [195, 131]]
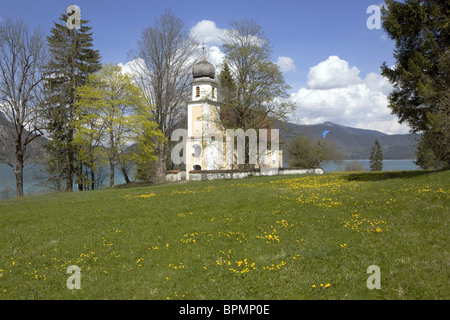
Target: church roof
[[203, 68]]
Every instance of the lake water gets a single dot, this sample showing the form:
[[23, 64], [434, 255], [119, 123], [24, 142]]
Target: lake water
[[388, 165], [35, 177]]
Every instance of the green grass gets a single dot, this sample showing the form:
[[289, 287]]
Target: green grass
[[284, 237]]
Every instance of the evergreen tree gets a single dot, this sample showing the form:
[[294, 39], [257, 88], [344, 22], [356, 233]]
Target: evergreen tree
[[376, 157], [420, 76], [226, 84], [72, 61]]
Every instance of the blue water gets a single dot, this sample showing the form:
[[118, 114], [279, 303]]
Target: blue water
[[35, 177], [36, 180], [388, 165]]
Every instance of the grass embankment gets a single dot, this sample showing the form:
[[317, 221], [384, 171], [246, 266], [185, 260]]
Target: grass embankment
[[284, 237]]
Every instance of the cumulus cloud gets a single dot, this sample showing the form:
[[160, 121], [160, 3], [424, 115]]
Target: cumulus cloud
[[132, 67], [286, 64], [215, 56], [333, 73], [335, 92], [206, 31]]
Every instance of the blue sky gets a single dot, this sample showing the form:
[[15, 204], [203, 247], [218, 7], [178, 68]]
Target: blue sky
[[331, 59]]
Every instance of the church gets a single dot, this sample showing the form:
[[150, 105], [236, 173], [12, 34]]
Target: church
[[207, 147]]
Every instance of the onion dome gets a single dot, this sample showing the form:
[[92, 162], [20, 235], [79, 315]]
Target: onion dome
[[203, 68]]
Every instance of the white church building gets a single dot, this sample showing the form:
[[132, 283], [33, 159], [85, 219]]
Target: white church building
[[209, 149], [206, 147]]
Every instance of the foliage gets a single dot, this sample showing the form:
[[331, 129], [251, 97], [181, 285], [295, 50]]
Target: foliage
[[421, 30], [354, 166], [72, 61], [112, 115], [304, 152], [376, 157]]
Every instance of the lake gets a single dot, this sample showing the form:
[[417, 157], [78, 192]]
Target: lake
[[35, 177]]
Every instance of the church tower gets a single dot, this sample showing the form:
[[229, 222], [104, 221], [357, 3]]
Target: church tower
[[203, 119]]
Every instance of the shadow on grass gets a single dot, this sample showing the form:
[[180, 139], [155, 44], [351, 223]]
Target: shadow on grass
[[379, 176]]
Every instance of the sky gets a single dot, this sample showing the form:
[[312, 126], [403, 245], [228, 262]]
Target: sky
[[328, 55]]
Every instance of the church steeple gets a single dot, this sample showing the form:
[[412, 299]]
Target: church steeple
[[203, 68]]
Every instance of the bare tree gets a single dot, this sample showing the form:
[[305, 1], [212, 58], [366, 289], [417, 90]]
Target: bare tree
[[259, 90], [163, 68], [22, 56]]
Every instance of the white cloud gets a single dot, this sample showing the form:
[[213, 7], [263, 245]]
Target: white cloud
[[132, 67], [286, 64], [215, 56], [335, 92], [207, 32], [332, 73]]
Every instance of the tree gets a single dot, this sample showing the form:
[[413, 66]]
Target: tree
[[421, 74], [72, 61], [303, 152], [22, 56], [113, 113], [257, 90], [226, 85], [163, 68], [354, 166], [376, 157]]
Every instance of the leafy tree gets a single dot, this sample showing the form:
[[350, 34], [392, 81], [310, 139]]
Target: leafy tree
[[72, 61], [376, 157], [303, 152], [112, 113], [354, 166], [420, 76]]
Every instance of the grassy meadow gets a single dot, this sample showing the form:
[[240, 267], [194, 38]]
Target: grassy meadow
[[283, 237]]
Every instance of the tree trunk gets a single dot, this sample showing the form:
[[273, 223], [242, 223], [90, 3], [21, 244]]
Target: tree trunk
[[125, 174], [19, 178], [18, 170], [161, 163], [70, 166], [92, 179], [111, 174]]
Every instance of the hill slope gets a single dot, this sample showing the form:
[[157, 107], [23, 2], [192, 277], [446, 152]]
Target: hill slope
[[355, 143], [296, 237]]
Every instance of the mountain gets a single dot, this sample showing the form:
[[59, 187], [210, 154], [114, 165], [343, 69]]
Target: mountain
[[353, 142], [35, 150]]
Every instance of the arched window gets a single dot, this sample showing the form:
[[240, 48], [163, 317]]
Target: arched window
[[197, 92]]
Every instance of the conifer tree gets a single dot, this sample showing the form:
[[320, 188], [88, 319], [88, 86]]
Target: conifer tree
[[420, 75], [72, 60], [376, 157]]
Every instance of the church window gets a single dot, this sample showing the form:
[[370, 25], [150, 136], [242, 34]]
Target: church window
[[213, 92], [197, 92]]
